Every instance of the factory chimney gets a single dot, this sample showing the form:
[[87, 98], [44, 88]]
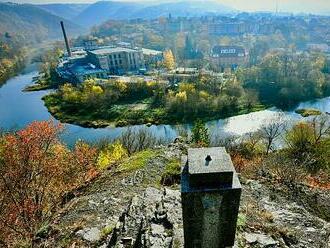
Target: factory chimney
[[66, 40]]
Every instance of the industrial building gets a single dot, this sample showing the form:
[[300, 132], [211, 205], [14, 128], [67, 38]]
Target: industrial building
[[93, 61], [117, 60]]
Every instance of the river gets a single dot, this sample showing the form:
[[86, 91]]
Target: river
[[18, 108]]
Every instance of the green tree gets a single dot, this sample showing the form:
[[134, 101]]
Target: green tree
[[200, 134]]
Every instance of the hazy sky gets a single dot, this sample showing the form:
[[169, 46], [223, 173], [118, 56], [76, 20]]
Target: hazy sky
[[310, 6]]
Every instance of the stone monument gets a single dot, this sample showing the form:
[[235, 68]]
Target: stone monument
[[210, 192]]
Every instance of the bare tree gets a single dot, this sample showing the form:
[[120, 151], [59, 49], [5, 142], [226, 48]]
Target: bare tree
[[138, 140], [321, 127], [272, 130], [286, 170]]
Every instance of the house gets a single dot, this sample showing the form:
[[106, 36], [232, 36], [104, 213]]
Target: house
[[229, 56]]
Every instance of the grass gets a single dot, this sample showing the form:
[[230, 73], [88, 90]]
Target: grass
[[308, 112], [137, 161], [241, 221], [172, 173], [106, 231]]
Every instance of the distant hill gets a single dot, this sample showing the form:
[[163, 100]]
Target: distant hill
[[42, 21], [67, 11], [184, 8], [32, 23], [102, 11]]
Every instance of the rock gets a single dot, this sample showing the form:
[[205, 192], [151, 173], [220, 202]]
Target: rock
[[149, 220], [262, 239], [250, 238], [266, 241], [179, 139], [90, 234], [254, 185]]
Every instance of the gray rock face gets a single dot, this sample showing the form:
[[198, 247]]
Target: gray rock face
[[295, 226], [153, 219], [150, 220], [261, 239], [90, 234]]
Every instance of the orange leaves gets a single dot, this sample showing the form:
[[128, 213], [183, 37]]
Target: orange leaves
[[321, 181], [85, 155], [36, 169], [247, 167]]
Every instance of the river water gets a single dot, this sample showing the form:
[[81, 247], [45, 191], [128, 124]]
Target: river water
[[18, 108]]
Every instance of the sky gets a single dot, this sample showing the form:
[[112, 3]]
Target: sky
[[296, 6]]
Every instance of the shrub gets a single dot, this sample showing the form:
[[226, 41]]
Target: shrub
[[284, 169], [309, 144], [138, 140], [200, 134], [112, 154], [172, 173]]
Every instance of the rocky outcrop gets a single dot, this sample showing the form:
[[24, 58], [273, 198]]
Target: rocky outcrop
[[153, 219], [150, 220], [132, 210], [285, 223]]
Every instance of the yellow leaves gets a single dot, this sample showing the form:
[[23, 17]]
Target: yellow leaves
[[6, 63], [189, 88], [151, 84], [225, 41], [204, 95], [112, 154], [181, 96], [70, 94], [97, 90], [169, 61], [121, 86], [137, 161]]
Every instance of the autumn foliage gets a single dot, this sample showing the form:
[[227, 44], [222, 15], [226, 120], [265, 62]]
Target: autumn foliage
[[36, 170]]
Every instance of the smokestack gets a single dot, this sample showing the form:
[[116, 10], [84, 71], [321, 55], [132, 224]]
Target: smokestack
[[66, 40]]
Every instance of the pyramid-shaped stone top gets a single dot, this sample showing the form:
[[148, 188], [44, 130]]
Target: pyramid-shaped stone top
[[210, 167]]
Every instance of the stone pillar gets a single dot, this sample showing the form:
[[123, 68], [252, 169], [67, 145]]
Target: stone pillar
[[210, 192]]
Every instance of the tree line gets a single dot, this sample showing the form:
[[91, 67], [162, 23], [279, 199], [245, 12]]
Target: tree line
[[12, 56], [284, 79]]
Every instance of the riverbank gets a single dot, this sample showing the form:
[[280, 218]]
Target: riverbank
[[37, 87], [137, 113]]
